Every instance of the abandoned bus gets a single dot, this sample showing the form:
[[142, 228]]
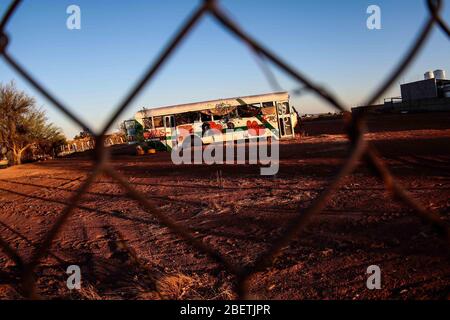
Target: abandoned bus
[[237, 118]]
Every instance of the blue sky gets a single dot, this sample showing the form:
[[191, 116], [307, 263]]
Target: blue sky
[[93, 68]]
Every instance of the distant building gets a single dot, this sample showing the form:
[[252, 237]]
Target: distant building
[[430, 94], [425, 89]]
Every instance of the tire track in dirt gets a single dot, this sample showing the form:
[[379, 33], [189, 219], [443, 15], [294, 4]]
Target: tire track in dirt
[[119, 270], [361, 225]]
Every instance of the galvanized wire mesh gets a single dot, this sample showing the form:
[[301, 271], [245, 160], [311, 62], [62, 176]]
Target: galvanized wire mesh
[[356, 125]]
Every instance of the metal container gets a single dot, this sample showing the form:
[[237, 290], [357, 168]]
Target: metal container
[[428, 75], [439, 74]]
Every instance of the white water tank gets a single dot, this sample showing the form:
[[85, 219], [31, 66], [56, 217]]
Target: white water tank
[[439, 74], [428, 75]]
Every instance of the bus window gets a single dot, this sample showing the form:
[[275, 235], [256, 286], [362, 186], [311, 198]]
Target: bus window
[[205, 117], [269, 111], [226, 117], [268, 104], [247, 111], [148, 123], [158, 121], [286, 109], [218, 118], [186, 118], [169, 121]]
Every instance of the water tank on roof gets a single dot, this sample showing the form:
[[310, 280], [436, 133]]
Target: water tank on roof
[[428, 75], [439, 74]]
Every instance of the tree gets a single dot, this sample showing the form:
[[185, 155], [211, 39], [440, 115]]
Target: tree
[[23, 125], [83, 135]]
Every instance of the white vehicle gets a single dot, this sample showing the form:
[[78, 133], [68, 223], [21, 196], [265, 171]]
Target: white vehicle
[[237, 118]]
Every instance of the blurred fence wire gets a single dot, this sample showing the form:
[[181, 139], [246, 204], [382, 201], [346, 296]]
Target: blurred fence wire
[[361, 150]]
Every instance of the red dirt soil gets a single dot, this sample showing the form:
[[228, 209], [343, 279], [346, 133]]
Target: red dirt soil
[[125, 254]]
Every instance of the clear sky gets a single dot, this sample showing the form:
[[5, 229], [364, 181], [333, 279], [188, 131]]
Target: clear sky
[[93, 68]]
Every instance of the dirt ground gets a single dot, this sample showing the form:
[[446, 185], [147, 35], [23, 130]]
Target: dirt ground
[[125, 254]]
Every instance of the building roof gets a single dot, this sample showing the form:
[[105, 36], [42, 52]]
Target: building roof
[[203, 105]]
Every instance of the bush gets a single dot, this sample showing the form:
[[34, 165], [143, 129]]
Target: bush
[[24, 129]]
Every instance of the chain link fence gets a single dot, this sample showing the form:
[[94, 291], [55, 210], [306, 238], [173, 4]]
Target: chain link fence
[[361, 150]]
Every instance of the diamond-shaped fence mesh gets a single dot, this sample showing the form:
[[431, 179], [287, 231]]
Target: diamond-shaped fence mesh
[[361, 150]]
